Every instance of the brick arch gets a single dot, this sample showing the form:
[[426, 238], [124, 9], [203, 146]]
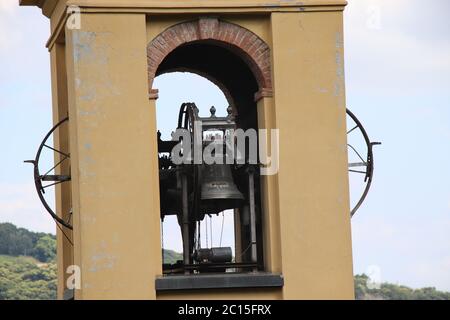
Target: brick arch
[[252, 49]]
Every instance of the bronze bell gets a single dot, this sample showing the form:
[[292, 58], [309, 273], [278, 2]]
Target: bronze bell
[[219, 192]]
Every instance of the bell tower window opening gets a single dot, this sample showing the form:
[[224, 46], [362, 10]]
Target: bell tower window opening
[[215, 230], [215, 207]]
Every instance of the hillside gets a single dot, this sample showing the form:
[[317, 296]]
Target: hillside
[[28, 270], [172, 256], [389, 291], [25, 278]]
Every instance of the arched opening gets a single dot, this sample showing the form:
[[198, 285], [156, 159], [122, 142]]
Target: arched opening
[[231, 187], [176, 88], [225, 69]]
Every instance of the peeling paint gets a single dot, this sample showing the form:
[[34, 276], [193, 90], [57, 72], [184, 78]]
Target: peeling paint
[[339, 66], [339, 43], [337, 89], [101, 259], [340, 75], [87, 112], [90, 47], [89, 95], [82, 43]]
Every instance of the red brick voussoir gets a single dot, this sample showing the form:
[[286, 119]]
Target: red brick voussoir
[[252, 49]]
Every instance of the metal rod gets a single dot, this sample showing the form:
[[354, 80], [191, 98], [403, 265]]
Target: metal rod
[[221, 265], [357, 164], [352, 129], [57, 177], [357, 171], [55, 166], [52, 184], [186, 253], [221, 229], [357, 153], [58, 151], [251, 193]]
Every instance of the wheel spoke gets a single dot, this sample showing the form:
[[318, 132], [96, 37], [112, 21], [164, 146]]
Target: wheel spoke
[[60, 152], [45, 174], [352, 129], [357, 153], [53, 184], [357, 171], [357, 164]]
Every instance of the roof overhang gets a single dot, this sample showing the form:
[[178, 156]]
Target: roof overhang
[[56, 9], [47, 6]]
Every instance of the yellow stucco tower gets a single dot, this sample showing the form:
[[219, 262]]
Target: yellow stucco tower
[[104, 58]]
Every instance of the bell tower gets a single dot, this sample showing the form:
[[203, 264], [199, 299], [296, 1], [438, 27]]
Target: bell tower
[[280, 66]]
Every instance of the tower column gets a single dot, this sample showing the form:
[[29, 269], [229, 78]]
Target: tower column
[[269, 189], [115, 169], [63, 198], [316, 251]]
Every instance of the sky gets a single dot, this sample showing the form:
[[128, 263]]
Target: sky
[[397, 68]]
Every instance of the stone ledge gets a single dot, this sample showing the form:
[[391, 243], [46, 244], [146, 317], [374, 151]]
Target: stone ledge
[[219, 281]]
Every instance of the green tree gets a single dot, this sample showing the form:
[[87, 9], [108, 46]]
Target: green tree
[[19, 241], [45, 249]]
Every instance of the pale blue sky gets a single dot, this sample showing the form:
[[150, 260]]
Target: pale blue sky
[[397, 81]]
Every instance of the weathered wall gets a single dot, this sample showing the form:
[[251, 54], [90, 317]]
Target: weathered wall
[[313, 179], [114, 171]]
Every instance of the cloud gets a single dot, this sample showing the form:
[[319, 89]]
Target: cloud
[[8, 7], [389, 51]]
